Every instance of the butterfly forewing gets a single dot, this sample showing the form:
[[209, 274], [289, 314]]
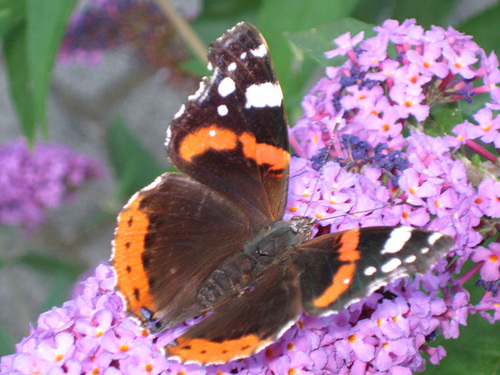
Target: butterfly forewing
[[231, 135]]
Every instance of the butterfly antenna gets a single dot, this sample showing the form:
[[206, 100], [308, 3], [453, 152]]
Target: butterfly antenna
[[329, 148], [356, 213]]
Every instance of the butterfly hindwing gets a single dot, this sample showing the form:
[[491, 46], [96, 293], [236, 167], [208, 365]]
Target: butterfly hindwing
[[231, 135], [170, 237], [244, 324], [341, 268]]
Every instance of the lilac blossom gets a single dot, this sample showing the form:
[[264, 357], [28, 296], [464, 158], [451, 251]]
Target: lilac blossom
[[429, 189], [35, 181], [361, 159], [91, 333]]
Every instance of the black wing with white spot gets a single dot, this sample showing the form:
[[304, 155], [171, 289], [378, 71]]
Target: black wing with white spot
[[231, 135], [342, 268]]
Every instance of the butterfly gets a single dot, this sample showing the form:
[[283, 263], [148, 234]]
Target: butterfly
[[211, 240]]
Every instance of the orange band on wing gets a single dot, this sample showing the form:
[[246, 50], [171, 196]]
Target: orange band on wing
[[221, 139], [349, 253], [209, 352], [211, 138], [348, 246], [263, 153], [132, 282]]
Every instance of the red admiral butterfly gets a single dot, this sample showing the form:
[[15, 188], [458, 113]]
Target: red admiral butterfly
[[213, 240]]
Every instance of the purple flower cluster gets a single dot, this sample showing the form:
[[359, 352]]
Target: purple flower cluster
[[364, 126], [362, 160], [34, 181], [141, 26], [92, 335]]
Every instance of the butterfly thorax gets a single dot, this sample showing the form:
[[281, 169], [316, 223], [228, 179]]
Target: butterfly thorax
[[280, 239], [240, 271]]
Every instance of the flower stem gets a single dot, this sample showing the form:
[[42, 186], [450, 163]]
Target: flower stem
[[482, 151], [185, 30]]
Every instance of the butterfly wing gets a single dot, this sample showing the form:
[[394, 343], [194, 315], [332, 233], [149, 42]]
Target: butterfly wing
[[170, 237], [339, 269], [231, 135], [244, 325]]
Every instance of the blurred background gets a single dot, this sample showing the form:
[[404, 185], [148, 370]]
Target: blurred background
[[92, 86]]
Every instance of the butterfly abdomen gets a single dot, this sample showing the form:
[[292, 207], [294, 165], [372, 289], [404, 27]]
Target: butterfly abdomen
[[228, 279], [239, 271]]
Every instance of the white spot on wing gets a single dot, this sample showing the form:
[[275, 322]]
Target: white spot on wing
[[285, 328], [410, 259], [260, 51], [231, 67], [243, 56], [383, 282], [397, 239], [391, 265], [434, 237], [151, 186], [369, 271], [180, 112], [222, 110], [200, 94], [168, 135], [262, 95], [226, 87], [424, 250]]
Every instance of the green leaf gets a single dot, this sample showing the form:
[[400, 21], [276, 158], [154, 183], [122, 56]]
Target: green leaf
[[133, 164], [210, 29], [485, 29], [196, 68], [469, 109], [315, 42], [374, 11], [276, 17], [63, 275], [12, 14], [14, 47], [426, 12], [62, 284], [45, 25], [443, 118], [48, 265], [224, 9], [7, 342], [477, 349]]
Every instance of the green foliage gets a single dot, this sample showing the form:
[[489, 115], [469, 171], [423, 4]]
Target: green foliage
[[484, 27], [477, 350], [31, 31], [443, 118], [12, 14], [20, 86], [133, 165], [45, 25], [316, 41], [274, 20], [6, 341], [61, 275]]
